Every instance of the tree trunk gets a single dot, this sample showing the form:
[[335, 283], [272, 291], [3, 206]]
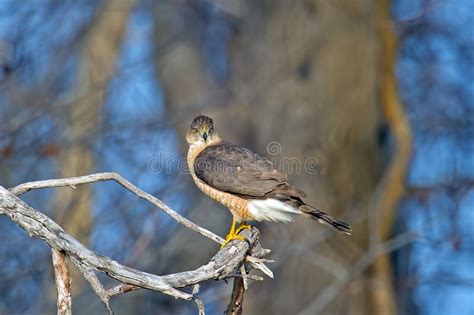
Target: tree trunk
[[383, 293], [305, 75]]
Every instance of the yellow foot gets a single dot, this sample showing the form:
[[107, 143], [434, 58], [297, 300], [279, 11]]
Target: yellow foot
[[243, 227], [234, 233], [231, 237]]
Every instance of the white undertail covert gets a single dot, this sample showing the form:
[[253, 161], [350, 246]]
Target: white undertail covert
[[271, 210]]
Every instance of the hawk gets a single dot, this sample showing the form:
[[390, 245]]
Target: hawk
[[249, 185]]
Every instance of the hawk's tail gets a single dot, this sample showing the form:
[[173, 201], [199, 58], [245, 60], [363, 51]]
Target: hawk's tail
[[325, 218]]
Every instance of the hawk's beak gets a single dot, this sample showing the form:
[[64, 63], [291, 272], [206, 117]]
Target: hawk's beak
[[204, 135]]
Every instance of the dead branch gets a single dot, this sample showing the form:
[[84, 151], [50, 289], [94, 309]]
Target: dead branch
[[235, 305], [223, 265], [199, 303], [87, 179], [99, 289], [62, 279]]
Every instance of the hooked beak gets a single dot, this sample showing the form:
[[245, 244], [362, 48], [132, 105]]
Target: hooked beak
[[204, 135]]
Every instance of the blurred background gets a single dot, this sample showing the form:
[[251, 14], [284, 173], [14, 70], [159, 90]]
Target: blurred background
[[378, 96]]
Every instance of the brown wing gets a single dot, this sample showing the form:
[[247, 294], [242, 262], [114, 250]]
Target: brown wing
[[240, 171]]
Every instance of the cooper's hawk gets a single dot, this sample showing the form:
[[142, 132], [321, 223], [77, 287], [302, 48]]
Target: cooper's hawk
[[250, 186]]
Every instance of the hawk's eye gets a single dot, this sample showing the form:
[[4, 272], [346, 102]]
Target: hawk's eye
[[195, 131], [211, 130]]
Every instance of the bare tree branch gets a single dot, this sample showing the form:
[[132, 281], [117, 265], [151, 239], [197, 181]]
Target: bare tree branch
[[73, 181], [235, 305], [39, 225], [240, 286], [223, 265], [99, 289], [199, 303], [331, 291], [62, 279]]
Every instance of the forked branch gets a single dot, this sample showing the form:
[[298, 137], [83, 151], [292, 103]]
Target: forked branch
[[225, 263]]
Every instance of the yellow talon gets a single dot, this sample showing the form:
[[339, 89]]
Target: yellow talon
[[234, 233], [231, 238], [243, 226]]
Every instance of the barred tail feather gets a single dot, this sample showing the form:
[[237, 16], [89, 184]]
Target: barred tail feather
[[325, 218]]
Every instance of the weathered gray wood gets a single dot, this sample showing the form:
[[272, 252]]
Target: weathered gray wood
[[222, 265], [62, 278], [87, 179]]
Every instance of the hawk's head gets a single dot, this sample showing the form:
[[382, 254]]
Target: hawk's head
[[201, 131]]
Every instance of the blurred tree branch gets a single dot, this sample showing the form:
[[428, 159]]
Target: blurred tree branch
[[222, 265], [392, 185], [361, 265], [100, 50]]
